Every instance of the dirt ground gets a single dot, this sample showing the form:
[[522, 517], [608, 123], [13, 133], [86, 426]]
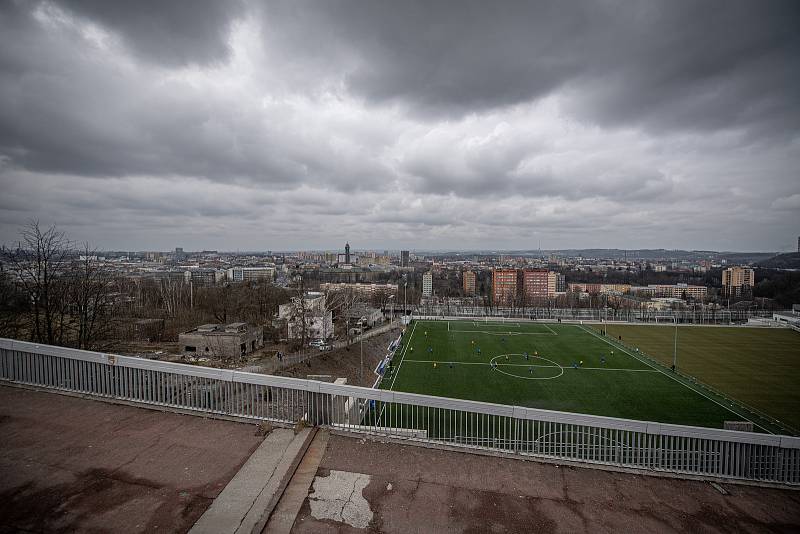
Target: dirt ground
[[345, 362], [414, 489], [75, 465]]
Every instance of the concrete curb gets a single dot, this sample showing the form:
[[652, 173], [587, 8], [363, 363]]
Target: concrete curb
[[240, 505], [269, 499]]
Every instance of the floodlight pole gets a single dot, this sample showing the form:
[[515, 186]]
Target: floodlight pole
[[405, 298], [675, 346]]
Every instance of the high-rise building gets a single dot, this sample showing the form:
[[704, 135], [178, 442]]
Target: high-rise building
[[561, 283], [468, 282], [427, 284], [505, 286], [535, 283], [347, 253], [538, 283], [738, 281], [798, 243], [404, 258]]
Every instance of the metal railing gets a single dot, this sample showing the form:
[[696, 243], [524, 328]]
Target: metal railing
[[417, 418]]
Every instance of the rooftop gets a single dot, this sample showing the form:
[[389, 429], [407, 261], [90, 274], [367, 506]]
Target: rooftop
[[69, 463]]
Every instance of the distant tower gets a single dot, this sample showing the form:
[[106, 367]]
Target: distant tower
[[798, 243], [347, 253]]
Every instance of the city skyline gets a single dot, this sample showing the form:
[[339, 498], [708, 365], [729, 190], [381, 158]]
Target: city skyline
[[292, 126]]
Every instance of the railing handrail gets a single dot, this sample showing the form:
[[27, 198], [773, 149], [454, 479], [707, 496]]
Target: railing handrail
[[519, 412]]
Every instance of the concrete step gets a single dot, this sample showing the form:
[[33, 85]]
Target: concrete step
[[285, 513], [255, 489]]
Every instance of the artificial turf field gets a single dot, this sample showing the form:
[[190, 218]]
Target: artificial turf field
[[757, 366], [454, 359]]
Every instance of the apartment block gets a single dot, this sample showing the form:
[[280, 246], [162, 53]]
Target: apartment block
[[537, 284], [246, 274], [599, 289], [468, 282], [506, 284], [358, 287], [680, 291], [738, 281], [427, 284]]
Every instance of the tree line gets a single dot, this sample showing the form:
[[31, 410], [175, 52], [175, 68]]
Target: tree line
[[53, 291]]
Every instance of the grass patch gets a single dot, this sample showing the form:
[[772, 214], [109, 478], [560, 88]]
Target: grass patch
[[454, 359], [757, 366]]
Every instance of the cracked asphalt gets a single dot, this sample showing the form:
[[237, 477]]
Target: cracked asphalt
[[75, 465], [414, 489], [339, 497]]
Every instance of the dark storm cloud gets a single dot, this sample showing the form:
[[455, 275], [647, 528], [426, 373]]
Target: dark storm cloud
[[406, 122], [679, 64], [173, 32]]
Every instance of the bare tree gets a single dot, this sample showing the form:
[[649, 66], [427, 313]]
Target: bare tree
[[90, 296], [171, 292], [341, 302], [13, 306], [39, 264]]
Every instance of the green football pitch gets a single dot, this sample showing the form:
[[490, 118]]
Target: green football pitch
[[566, 367], [757, 366]]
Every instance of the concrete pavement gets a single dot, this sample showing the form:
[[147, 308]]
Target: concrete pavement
[[75, 465], [414, 489]]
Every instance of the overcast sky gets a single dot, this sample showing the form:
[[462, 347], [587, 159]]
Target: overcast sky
[[287, 125]]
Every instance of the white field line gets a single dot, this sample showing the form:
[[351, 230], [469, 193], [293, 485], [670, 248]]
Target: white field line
[[565, 366], [397, 371], [402, 357], [675, 379], [553, 331]]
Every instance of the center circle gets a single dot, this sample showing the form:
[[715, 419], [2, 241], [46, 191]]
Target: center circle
[[499, 367]]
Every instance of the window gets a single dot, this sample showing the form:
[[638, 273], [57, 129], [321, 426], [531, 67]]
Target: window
[[188, 348]]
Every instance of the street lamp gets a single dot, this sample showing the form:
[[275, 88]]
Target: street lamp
[[361, 342], [391, 297]]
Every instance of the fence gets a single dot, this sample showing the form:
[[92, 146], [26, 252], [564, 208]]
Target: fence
[[416, 418], [688, 315], [310, 353]]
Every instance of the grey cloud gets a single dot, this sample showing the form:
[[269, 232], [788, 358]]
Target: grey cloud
[[175, 32], [401, 122], [86, 114], [679, 64]]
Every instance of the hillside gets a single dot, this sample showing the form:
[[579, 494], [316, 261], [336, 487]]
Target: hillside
[[782, 261]]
